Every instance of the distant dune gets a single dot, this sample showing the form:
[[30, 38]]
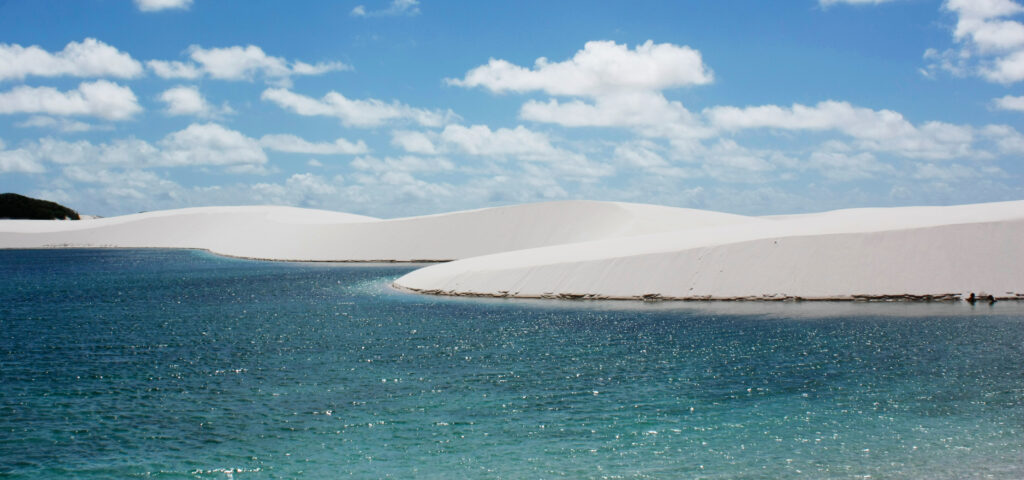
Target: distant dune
[[286, 233], [581, 249]]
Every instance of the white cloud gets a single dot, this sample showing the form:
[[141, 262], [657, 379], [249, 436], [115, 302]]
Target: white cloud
[[183, 100], [601, 68], [174, 69], [101, 98], [395, 8], [157, 5], [730, 162], [828, 3], [1007, 140], [640, 154], [413, 142], [294, 144], [944, 173], [239, 63], [841, 166], [210, 144], [481, 140], [308, 183], [879, 130], [60, 124], [314, 163], [18, 160], [406, 164], [196, 145], [991, 45], [88, 58], [649, 113], [355, 113]]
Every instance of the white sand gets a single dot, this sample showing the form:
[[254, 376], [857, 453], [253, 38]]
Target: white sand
[[285, 233], [605, 249], [846, 254]]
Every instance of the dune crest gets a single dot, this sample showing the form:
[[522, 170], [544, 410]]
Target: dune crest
[[584, 249], [914, 253], [296, 234]]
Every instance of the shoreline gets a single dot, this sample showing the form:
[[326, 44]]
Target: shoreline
[[855, 298]]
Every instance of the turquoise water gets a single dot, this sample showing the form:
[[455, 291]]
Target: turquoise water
[[181, 364]]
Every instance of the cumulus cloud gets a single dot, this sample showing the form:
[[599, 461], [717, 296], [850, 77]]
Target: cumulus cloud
[[239, 63], [413, 142], [60, 124], [210, 144], [601, 68], [186, 100], [101, 99], [395, 8], [405, 164], [1009, 102], [649, 113], [294, 144], [88, 58], [480, 140], [355, 113], [880, 130], [841, 166], [157, 5], [991, 44], [18, 160], [616, 87], [206, 144]]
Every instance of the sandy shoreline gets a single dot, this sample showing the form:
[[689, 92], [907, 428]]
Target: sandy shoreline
[[607, 250]]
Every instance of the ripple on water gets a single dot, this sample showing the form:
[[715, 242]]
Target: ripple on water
[[124, 363]]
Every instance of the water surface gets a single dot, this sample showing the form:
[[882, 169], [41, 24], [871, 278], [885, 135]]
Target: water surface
[[181, 364]]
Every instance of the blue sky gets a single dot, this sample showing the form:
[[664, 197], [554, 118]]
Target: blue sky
[[405, 107]]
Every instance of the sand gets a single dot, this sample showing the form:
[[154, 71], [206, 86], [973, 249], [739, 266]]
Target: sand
[[918, 253], [582, 249], [286, 233]]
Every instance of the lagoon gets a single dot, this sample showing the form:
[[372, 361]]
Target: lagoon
[[182, 364]]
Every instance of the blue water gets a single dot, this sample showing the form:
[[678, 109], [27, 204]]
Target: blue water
[[181, 364]]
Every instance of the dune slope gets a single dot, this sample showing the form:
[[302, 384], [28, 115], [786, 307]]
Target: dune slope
[[285, 233], [916, 252]]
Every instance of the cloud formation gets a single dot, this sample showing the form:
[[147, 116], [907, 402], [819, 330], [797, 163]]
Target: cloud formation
[[101, 99], [293, 144], [355, 113], [828, 3], [991, 43], [186, 100], [158, 5], [395, 8], [88, 58], [240, 63], [601, 68]]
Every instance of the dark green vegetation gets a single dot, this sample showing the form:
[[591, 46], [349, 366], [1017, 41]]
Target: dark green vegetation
[[17, 206]]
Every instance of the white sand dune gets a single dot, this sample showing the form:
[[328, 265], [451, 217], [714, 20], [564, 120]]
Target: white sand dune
[[913, 252], [285, 233], [580, 249]]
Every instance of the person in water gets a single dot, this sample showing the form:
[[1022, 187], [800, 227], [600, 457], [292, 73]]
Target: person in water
[[971, 299]]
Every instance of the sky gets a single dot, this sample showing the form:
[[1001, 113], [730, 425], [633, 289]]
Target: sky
[[394, 108]]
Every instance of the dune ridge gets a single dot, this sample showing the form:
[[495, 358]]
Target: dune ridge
[[607, 250], [295, 234], [913, 253]]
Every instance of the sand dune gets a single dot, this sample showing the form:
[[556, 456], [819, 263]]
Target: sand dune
[[285, 233], [580, 249], [915, 252]]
